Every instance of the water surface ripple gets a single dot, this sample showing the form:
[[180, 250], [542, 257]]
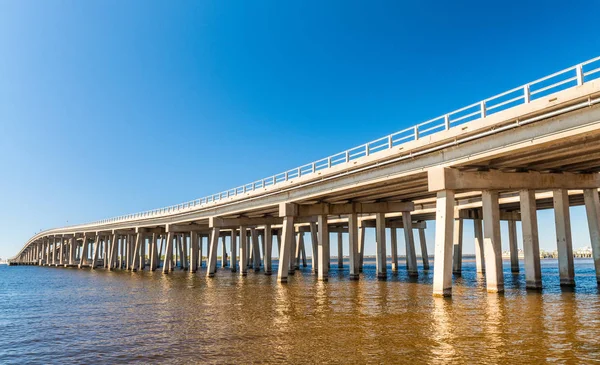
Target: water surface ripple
[[71, 316]]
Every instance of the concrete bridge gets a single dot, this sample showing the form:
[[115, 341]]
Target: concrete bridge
[[534, 147]]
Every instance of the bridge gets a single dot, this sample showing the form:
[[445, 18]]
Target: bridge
[[534, 147]]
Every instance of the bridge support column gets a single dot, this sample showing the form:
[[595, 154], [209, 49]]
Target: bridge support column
[[381, 257], [223, 252], [361, 247], [168, 253], [513, 247], [84, 249], [340, 250], [212, 252], [444, 234], [193, 251], [233, 260], [72, 243], [137, 251], [315, 246], [394, 247], [531, 245], [424, 254], [409, 239], [323, 249], [268, 239], [244, 251], [353, 245], [479, 257], [592, 209], [61, 256], [286, 249], [293, 246], [564, 241], [255, 250], [491, 242], [96, 252], [457, 247]]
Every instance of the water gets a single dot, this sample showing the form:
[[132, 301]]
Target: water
[[71, 316]]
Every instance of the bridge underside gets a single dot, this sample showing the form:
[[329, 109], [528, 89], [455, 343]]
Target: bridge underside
[[557, 138]]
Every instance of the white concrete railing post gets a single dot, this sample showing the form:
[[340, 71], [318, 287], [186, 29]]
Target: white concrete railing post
[[579, 71], [526, 94]]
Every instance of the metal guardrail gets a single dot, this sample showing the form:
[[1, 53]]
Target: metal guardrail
[[559, 81]]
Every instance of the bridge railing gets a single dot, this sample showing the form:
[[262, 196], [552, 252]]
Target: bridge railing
[[559, 81]]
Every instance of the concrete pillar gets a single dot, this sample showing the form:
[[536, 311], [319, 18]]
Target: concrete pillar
[[54, 251], [168, 253], [105, 261], [142, 253], [255, 250], [139, 239], [423, 243], [531, 245], [381, 256], [361, 246], [409, 239], [300, 252], [286, 249], [457, 247], [292, 263], [564, 241], [340, 260], [223, 253], [193, 251], [233, 247], [114, 251], [592, 209], [61, 260], [200, 249], [323, 249], [83, 260], [279, 240], [243, 251], [72, 243], [492, 245], [479, 257], [444, 234], [394, 247], [268, 239], [212, 252], [315, 246], [513, 247], [353, 245]]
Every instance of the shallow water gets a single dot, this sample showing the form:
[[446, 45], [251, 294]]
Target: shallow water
[[72, 316]]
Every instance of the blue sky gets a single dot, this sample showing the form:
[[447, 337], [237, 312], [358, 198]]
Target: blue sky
[[112, 107]]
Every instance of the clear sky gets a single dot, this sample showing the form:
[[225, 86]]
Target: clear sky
[[113, 107]]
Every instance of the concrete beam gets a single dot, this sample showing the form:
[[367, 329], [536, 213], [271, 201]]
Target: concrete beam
[[443, 178], [186, 228], [295, 210]]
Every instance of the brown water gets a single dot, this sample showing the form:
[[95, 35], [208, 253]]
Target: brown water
[[71, 316]]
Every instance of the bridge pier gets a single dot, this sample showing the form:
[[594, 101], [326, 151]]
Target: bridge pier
[[244, 251], [491, 242], [315, 246], [233, 260], [323, 249], [268, 239], [512, 246], [592, 209], [411, 255], [424, 254], [353, 238], [394, 249], [381, 257], [255, 250], [531, 246], [444, 235], [457, 247], [286, 248], [340, 250], [223, 252], [564, 241], [212, 252], [479, 257]]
